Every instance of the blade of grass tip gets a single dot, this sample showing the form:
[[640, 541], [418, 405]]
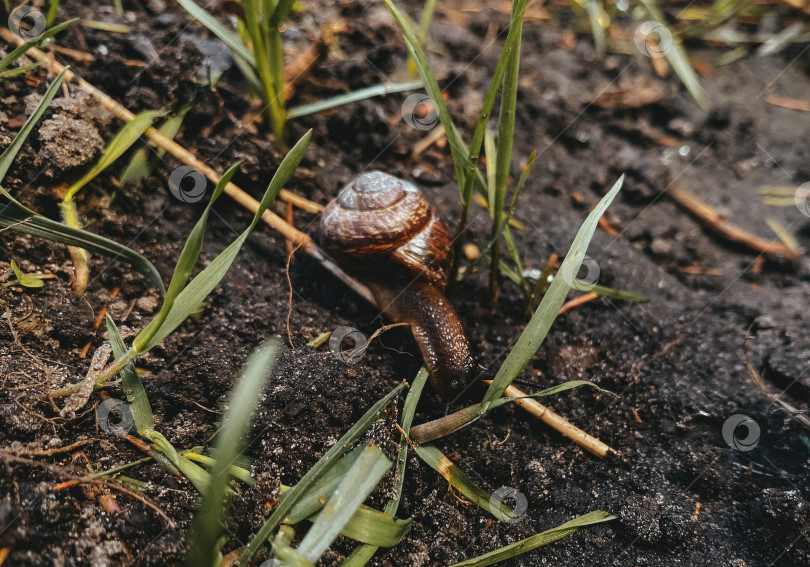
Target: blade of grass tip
[[596, 15], [457, 146], [21, 70], [130, 382], [677, 57], [242, 404], [363, 554], [321, 467], [185, 263], [537, 540], [224, 34], [35, 42], [355, 487], [19, 218], [461, 482], [540, 323], [10, 153], [354, 96], [199, 288]]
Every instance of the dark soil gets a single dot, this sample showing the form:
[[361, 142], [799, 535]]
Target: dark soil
[[678, 362]]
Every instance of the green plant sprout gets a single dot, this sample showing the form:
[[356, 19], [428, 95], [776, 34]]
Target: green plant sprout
[[26, 280], [257, 51]]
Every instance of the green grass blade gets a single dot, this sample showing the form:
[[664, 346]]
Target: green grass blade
[[457, 146], [17, 217], [596, 14], [322, 466], [363, 554], [461, 482], [676, 55], [8, 155], [230, 441], [224, 34], [538, 540], [609, 292], [185, 264], [355, 96], [199, 288], [355, 487], [130, 382], [21, 70], [141, 163], [20, 50], [539, 325], [511, 43], [23, 279]]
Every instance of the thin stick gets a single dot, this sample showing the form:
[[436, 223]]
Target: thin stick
[[291, 233], [559, 423], [576, 302], [729, 231]]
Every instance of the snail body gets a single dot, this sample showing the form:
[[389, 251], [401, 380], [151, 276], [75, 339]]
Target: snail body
[[382, 229]]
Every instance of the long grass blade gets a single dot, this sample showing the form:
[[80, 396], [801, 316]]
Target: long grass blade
[[185, 263], [538, 540], [461, 482], [199, 288], [229, 444], [539, 325], [354, 96], [8, 155], [19, 218], [224, 34]]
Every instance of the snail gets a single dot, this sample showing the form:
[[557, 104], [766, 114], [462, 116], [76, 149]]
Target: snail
[[383, 231]]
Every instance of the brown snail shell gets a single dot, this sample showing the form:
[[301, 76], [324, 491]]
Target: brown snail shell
[[383, 230], [378, 214]]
